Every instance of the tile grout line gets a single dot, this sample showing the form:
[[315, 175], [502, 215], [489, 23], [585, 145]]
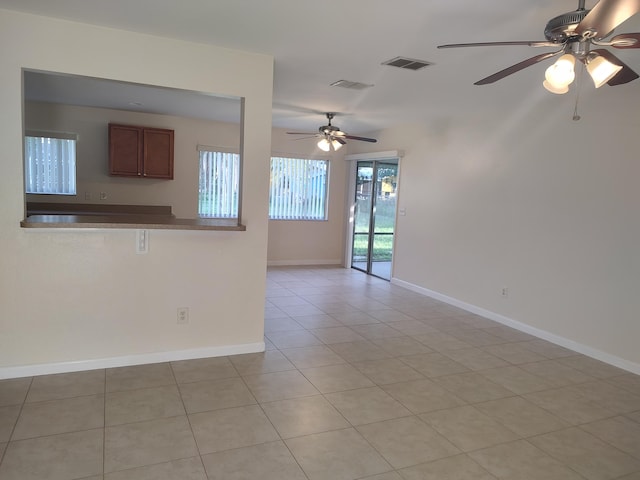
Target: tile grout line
[[186, 413], [282, 440], [13, 429]]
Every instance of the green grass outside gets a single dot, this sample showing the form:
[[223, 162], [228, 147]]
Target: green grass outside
[[385, 222]]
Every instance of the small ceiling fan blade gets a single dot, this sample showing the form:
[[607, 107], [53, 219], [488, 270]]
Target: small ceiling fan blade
[[305, 138], [339, 140], [624, 39], [605, 16], [528, 43], [625, 75], [363, 139], [301, 133], [516, 68]]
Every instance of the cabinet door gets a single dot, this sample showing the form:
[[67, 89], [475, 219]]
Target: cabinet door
[[125, 150], [158, 153]]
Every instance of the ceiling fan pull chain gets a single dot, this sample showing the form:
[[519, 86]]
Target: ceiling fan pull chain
[[576, 117]]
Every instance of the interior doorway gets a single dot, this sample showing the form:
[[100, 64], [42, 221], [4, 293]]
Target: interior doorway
[[374, 216]]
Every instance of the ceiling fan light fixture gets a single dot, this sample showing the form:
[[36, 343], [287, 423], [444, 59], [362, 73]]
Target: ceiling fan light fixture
[[602, 70], [332, 137], [324, 145], [560, 75]]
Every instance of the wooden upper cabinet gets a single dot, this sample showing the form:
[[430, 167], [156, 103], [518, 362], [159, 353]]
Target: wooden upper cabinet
[[125, 150], [158, 153], [140, 151]]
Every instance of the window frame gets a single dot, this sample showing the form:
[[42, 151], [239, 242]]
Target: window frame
[[238, 186], [71, 163], [325, 202]]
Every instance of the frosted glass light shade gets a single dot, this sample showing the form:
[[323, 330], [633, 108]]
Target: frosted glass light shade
[[324, 145], [602, 70], [561, 73]]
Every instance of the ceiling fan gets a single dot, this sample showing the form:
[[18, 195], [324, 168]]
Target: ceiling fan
[[574, 33], [331, 136]]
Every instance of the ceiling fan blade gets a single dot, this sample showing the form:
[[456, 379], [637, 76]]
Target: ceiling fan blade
[[626, 36], [605, 16], [339, 140], [305, 138], [301, 133], [625, 75], [364, 139], [528, 43], [516, 68]]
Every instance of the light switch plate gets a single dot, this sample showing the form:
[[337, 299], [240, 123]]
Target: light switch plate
[[142, 241]]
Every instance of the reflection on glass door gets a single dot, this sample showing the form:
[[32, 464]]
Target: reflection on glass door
[[374, 217]]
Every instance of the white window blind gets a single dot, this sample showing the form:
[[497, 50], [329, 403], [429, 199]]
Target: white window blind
[[298, 186], [218, 184], [50, 164], [298, 189]]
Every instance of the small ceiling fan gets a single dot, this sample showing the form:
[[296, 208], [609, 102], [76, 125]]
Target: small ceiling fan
[[331, 137], [575, 33]]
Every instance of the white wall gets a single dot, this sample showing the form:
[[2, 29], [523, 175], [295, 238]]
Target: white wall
[[311, 243], [80, 295], [535, 202], [92, 152]]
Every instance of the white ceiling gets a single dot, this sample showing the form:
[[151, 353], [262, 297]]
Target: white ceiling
[[317, 43]]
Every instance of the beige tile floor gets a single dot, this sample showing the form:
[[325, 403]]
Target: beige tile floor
[[361, 380]]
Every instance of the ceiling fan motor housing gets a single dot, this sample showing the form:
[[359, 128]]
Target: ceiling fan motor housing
[[562, 27], [328, 129]]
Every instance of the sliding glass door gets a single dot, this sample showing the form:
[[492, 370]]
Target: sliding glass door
[[374, 217]]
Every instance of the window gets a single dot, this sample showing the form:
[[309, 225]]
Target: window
[[219, 183], [50, 163], [298, 189]]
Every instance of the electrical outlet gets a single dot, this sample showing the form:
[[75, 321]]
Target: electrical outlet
[[504, 292], [183, 315]]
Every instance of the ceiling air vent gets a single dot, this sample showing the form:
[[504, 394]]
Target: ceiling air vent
[[351, 85], [407, 63]]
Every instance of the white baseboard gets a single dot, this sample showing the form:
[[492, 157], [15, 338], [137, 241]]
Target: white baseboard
[[523, 327], [128, 360], [295, 263]]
